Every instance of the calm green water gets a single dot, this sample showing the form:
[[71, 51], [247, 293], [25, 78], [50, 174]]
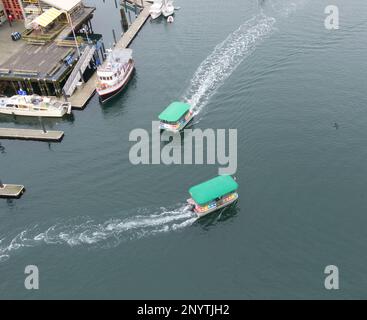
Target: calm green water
[[98, 227]]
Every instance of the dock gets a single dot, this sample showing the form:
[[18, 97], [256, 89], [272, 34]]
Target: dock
[[30, 134], [50, 64], [86, 91], [11, 191], [135, 27]]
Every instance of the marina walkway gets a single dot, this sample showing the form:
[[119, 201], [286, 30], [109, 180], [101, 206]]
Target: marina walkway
[[11, 191], [30, 134]]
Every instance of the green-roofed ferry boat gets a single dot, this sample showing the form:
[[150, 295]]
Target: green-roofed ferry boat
[[213, 195], [176, 117]]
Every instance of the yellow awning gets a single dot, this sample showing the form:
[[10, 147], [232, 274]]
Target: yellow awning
[[47, 17]]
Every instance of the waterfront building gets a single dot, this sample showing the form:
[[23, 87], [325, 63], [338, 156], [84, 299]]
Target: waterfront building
[[2, 13], [55, 44], [13, 7]]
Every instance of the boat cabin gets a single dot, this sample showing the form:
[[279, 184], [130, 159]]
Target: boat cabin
[[176, 116], [111, 72], [213, 194]]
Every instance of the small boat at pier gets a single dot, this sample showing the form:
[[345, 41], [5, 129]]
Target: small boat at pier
[[176, 117], [168, 8], [114, 74], [34, 106], [156, 9], [213, 195]]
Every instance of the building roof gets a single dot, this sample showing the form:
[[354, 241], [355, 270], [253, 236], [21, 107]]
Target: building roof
[[47, 17], [212, 189], [65, 5], [174, 111]]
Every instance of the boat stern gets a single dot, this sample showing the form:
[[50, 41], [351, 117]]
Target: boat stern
[[175, 128]]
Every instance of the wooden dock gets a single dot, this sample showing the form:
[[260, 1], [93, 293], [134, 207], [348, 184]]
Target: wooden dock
[[134, 28], [30, 134], [85, 92], [11, 191]]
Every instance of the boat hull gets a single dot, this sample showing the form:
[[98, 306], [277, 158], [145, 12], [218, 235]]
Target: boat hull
[[155, 15], [167, 128], [168, 11], [203, 214], [106, 95], [168, 14], [29, 113]]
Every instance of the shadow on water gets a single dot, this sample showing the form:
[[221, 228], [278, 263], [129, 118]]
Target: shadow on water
[[159, 20], [177, 136], [220, 216]]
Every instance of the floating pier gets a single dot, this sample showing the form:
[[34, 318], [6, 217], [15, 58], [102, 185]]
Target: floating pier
[[30, 134], [11, 191]]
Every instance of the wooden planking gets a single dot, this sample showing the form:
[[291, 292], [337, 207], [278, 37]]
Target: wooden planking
[[84, 93], [11, 191], [134, 28], [30, 134]]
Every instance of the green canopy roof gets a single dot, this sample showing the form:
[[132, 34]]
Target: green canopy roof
[[174, 111], [213, 189]]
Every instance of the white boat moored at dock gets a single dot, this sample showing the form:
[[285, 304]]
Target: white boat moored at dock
[[34, 106], [168, 8], [156, 9]]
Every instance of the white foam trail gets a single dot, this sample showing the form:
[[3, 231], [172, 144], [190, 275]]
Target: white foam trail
[[286, 8], [110, 233], [229, 54], [225, 58]]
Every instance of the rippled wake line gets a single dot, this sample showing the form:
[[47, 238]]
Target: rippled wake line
[[225, 58], [110, 233], [229, 54], [286, 8]]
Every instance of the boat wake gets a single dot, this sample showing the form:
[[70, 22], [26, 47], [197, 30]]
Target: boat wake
[[85, 231], [225, 58], [229, 54]]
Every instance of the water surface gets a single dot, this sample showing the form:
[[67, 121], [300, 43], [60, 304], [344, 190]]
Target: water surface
[[99, 227]]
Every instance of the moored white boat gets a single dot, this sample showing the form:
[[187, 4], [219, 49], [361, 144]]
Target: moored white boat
[[156, 9], [34, 106], [168, 8]]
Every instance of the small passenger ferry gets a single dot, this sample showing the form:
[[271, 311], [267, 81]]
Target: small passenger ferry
[[176, 117], [213, 195]]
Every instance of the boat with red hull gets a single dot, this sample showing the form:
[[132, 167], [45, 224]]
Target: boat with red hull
[[115, 73]]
